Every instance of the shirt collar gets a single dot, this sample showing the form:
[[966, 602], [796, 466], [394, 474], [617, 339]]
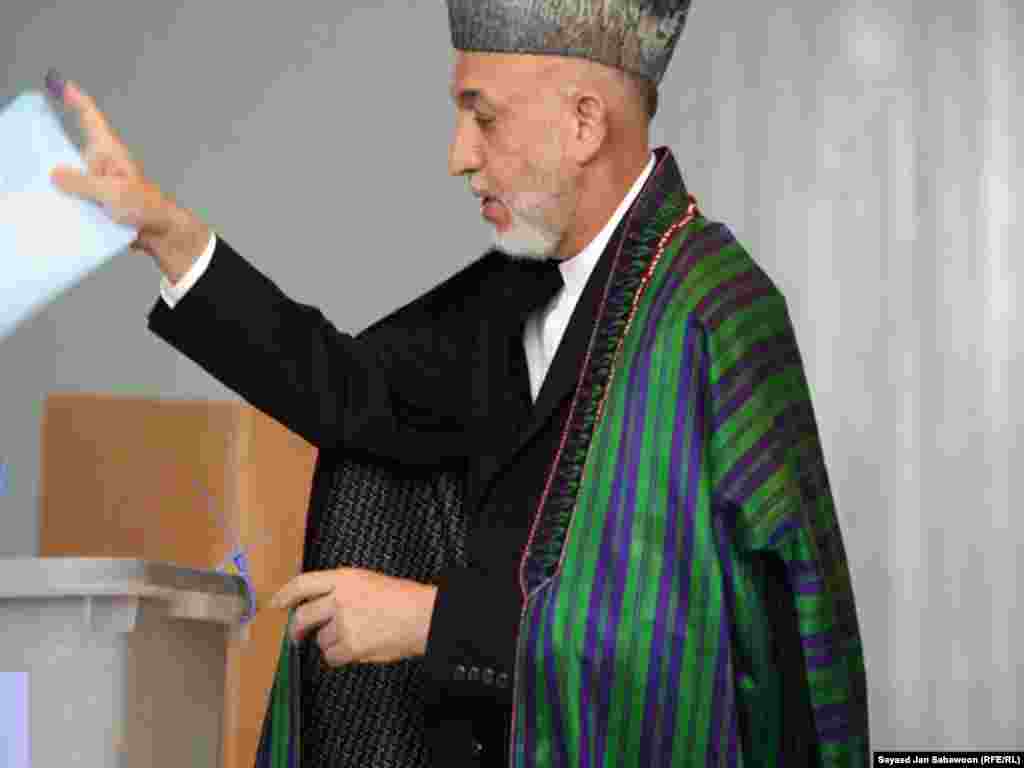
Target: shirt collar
[[576, 270]]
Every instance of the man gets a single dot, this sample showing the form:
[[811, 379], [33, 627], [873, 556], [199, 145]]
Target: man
[[656, 572]]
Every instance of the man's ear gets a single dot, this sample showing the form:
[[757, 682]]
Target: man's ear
[[590, 125]]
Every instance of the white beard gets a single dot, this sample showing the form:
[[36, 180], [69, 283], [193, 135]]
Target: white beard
[[529, 236], [525, 240]]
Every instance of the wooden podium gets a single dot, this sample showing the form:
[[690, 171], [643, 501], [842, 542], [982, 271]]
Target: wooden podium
[[183, 481]]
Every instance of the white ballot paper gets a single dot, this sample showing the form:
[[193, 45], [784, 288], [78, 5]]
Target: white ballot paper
[[48, 240]]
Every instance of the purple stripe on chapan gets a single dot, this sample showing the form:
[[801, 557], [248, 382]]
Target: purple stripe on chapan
[[558, 753], [775, 351], [696, 461], [607, 600], [800, 569], [734, 733], [623, 498], [746, 295], [785, 527], [829, 714], [819, 648], [721, 700], [592, 665], [833, 721], [838, 734], [718, 694], [763, 360], [648, 342], [752, 469], [790, 428], [821, 658], [528, 702], [771, 461], [651, 724], [692, 352], [709, 240], [817, 640], [810, 587], [718, 296], [659, 709], [732, 483]]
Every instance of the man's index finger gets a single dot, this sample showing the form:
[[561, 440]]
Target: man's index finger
[[303, 587], [97, 131]]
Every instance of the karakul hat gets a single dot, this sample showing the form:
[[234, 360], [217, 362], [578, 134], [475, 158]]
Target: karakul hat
[[637, 36]]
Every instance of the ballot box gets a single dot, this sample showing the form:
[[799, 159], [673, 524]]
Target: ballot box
[[113, 662], [186, 482]]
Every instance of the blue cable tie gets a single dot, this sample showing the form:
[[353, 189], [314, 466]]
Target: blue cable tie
[[241, 563]]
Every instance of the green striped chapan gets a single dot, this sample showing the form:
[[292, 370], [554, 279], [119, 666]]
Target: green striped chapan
[[686, 531]]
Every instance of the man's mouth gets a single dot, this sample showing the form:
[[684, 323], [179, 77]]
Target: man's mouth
[[492, 209]]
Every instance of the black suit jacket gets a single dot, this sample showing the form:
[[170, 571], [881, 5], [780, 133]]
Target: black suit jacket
[[445, 385]]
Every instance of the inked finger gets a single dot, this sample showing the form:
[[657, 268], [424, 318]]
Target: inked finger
[[95, 126]]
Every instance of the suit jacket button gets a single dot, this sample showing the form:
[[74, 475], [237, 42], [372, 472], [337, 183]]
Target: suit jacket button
[[474, 674], [460, 672], [488, 676], [502, 681]]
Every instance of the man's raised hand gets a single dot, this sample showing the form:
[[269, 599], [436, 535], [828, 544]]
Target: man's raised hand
[[173, 236]]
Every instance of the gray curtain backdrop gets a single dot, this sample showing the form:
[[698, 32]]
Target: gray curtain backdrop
[[865, 153]]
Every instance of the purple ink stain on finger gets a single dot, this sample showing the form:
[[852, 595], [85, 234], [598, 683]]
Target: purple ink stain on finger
[[55, 84]]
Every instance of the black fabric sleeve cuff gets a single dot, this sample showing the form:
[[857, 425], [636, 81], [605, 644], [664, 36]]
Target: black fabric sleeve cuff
[[472, 640]]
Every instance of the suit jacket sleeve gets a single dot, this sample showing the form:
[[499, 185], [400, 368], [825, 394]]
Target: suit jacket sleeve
[[400, 391], [333, 389]]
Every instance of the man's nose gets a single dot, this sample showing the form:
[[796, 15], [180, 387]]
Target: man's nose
[[464, 154]]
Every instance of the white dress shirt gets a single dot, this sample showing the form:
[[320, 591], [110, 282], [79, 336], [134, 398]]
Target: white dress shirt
[[544, 328]]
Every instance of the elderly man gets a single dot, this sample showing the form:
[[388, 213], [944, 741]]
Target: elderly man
[[656, 572]]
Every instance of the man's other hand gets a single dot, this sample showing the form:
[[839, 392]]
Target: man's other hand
[[173, 236], [361, 615]]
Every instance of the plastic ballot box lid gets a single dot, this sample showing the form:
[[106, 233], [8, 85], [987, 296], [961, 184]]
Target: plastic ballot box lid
[[111, 662]]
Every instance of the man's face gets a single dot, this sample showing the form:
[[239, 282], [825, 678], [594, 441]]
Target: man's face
[[509, 141]]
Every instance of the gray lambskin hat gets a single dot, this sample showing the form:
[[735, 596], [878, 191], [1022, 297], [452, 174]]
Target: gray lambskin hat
[[637, 36]]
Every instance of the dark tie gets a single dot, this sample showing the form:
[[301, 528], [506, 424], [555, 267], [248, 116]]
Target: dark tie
[[535, 284], [530, 285]]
